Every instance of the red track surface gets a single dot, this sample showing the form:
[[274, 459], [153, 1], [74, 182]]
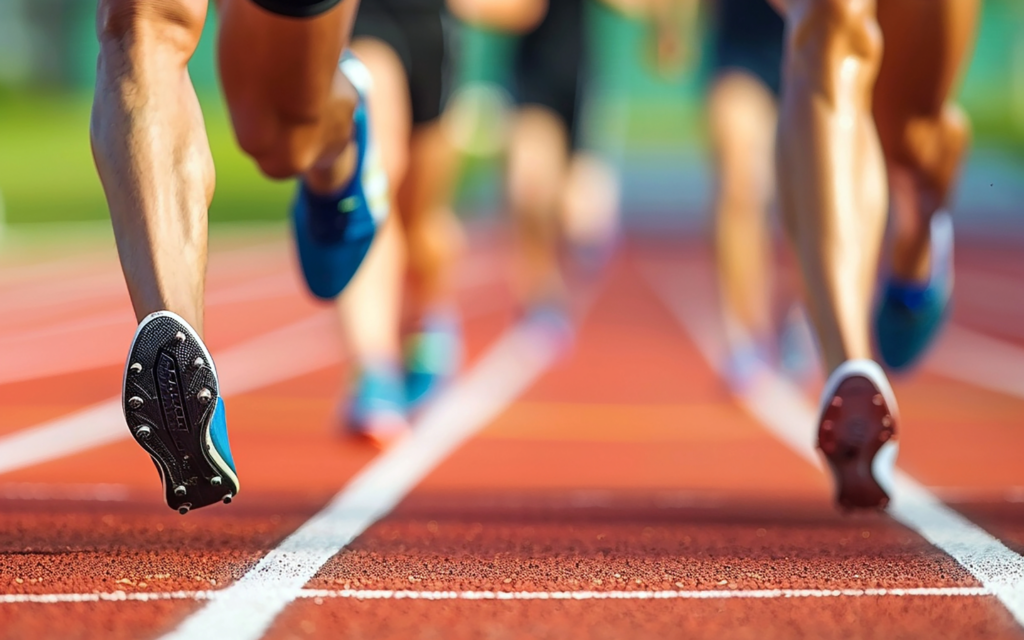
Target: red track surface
[[626, 467]]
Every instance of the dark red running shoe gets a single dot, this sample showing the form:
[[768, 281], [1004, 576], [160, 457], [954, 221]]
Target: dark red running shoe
[[857, 433]]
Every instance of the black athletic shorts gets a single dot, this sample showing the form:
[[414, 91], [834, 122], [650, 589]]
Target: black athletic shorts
[[549, 60], [297, 8], [422, 34], [749, 36]]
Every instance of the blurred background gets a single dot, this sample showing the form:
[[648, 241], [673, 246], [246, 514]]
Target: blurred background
[[649, 124]]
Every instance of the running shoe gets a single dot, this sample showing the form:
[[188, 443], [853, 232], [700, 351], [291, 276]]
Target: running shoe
[[334, 232], [912, 313], [172, 404], [433, 353], [857, 433], [377, 408]]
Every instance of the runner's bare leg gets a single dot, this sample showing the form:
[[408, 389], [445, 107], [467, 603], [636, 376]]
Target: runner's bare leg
[[832, 183], [924, 135], [371, 306], [743, 116], [434, 235], [291, 109], [538, 164]]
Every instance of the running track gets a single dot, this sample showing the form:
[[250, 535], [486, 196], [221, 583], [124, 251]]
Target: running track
[[618, 492]]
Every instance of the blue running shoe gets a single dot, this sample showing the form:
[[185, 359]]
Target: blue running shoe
[[334, 232], [172, 404], [911, 314], [433, 354], [377, 410]]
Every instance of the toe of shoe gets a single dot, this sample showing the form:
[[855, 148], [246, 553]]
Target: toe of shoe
[[905, 334]]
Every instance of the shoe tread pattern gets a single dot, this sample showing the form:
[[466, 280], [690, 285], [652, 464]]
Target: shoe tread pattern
[[169, 385], [853, 428]]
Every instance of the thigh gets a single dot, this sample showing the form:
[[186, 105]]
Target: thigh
[[927, 43], [275, 68]]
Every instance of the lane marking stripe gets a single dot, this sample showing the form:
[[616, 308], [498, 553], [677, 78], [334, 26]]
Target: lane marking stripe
[[782, 408], [979, 360], [246, 609], [385, 594], [296, 349]]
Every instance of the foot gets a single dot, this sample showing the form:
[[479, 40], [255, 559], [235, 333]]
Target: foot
[[333, 232], [857, 433], [433, 353], [912, 313], [171, 399], [377, 409]]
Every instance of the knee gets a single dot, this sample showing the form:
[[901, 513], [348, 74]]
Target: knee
[[138, 23], [280, 150], [291, 140], [834, 39]]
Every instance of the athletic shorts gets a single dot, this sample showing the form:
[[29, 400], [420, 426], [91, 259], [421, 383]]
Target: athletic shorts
[[749, 37], [298, 8], [422, 37], [548, 62]]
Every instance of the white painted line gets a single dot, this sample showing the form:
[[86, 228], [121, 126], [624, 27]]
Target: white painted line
[[22, 348], [697, 594], [790, 416], [246, 609], [968, 356], [285, 353], [386, 594]]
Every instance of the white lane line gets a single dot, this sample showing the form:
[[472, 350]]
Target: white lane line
[[22, 348], [291, 351], [979, 360], [387, 594], [246, 609], [282, 354], [790, 416]]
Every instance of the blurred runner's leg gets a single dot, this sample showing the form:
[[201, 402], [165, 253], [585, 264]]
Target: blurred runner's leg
[[743, 118], [432, 350], [924, 137], [370, 309], [548, 63], [405, 48]]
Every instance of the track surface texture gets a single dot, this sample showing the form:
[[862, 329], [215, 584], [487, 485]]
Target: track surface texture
[[615, 490]]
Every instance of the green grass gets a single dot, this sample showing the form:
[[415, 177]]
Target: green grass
[[47, 174]]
